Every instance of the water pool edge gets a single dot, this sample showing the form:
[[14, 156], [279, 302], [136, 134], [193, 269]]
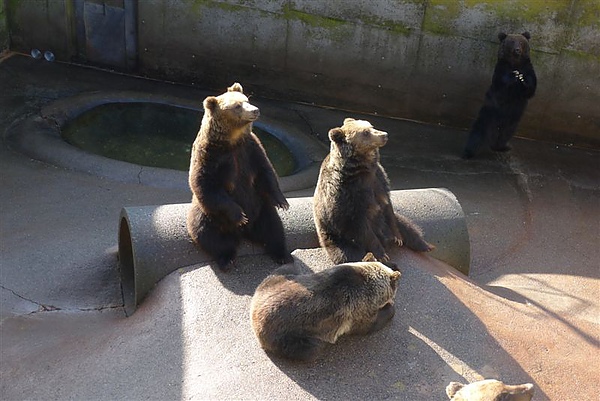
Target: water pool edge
[[39, 137]]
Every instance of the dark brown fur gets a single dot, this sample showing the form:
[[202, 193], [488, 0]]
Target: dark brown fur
[[235, 188], [353, 212], [513, 83]]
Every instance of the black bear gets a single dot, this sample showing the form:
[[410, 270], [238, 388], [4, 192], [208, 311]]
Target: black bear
[[235, 188], [513, 84], [295, 315], [352, 209]]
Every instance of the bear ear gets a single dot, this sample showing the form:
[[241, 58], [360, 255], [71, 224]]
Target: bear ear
[[211, 103], [453, 388], [369, 257], [502, 36], [348, 120], [395, 276], [336, 135], [236, 87], [527, 35]]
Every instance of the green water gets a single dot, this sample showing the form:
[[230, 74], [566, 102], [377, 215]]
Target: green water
[[153, 134]]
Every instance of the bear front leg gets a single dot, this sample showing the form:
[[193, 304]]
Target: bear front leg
[[267, 182], [384, 315], [298, 347], [374, 245]]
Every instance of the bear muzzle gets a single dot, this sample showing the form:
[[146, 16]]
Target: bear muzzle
[[251, 113]]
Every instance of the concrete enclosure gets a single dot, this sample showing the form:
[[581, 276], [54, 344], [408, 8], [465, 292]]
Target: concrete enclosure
[[426, 60]]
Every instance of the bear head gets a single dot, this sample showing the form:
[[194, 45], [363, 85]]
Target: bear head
[[381, 275], [375, 285], [514, 48], [357, 138], [489, 389], [230, 113]]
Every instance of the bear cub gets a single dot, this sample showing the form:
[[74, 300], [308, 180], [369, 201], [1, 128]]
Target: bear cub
[[513, 84], [352, 209], [295, 315], [235, 190], [489, 390]]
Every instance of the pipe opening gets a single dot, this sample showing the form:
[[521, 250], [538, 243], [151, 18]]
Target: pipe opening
[[127, 268]]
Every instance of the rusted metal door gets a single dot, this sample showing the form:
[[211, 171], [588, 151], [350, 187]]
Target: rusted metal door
[[107, 33]]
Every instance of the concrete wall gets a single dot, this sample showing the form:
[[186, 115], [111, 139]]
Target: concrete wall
[[427, 60], [3, 27]]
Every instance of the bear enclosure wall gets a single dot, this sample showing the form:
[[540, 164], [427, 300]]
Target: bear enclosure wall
[[425, 60], [3, 27]]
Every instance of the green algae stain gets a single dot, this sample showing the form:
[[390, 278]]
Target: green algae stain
[[197, 5], [439, 16], [315, 21], [389, 25], [580, 56]]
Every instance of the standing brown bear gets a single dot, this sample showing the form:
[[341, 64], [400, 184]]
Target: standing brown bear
[[235, 188], [353, 212], [513, 84]]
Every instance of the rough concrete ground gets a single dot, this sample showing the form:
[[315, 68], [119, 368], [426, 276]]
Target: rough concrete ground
[[528, 312]]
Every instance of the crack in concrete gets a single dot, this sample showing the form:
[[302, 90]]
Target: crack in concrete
[[41, 307], [51, 308]]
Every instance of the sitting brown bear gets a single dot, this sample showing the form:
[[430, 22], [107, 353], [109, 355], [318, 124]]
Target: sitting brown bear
[[352, 209], [235, 188]]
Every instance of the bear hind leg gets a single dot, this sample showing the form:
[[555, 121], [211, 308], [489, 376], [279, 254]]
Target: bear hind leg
[[412, 236], [483, 128], [268, 231], [506, 133], [221, 246], [340, 252], [299, 347]]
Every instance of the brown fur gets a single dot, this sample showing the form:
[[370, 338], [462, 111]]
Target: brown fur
[[235, 188], [353, 212], [295, 315], [489, 390]]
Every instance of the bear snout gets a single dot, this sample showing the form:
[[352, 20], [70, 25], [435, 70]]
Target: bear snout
[[382, 137], [251, 112]]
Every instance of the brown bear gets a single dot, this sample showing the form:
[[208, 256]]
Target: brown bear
[[352, 209], [295, 315], [489, 390], [234, 186], [513, 84]]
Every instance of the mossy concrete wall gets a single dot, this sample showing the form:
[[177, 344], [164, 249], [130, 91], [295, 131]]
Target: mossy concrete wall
[[3, 27], [427, 60]]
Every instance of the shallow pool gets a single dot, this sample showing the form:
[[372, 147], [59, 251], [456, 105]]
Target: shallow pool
[[154, 134]]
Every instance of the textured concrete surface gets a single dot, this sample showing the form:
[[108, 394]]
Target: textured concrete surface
[[527, 313]]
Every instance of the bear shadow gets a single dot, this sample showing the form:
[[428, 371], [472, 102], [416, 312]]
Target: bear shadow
[[431, 341], [248, 271]]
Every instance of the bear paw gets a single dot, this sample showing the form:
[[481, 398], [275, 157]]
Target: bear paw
[[518, 76], [281, 202]]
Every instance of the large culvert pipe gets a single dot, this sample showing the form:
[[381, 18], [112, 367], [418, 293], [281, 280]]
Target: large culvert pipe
[[153, 240]]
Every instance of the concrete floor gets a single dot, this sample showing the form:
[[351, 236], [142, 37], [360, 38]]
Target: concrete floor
[[528, 312]]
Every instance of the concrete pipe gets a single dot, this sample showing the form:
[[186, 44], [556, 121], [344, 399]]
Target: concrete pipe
[[153, 240]]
